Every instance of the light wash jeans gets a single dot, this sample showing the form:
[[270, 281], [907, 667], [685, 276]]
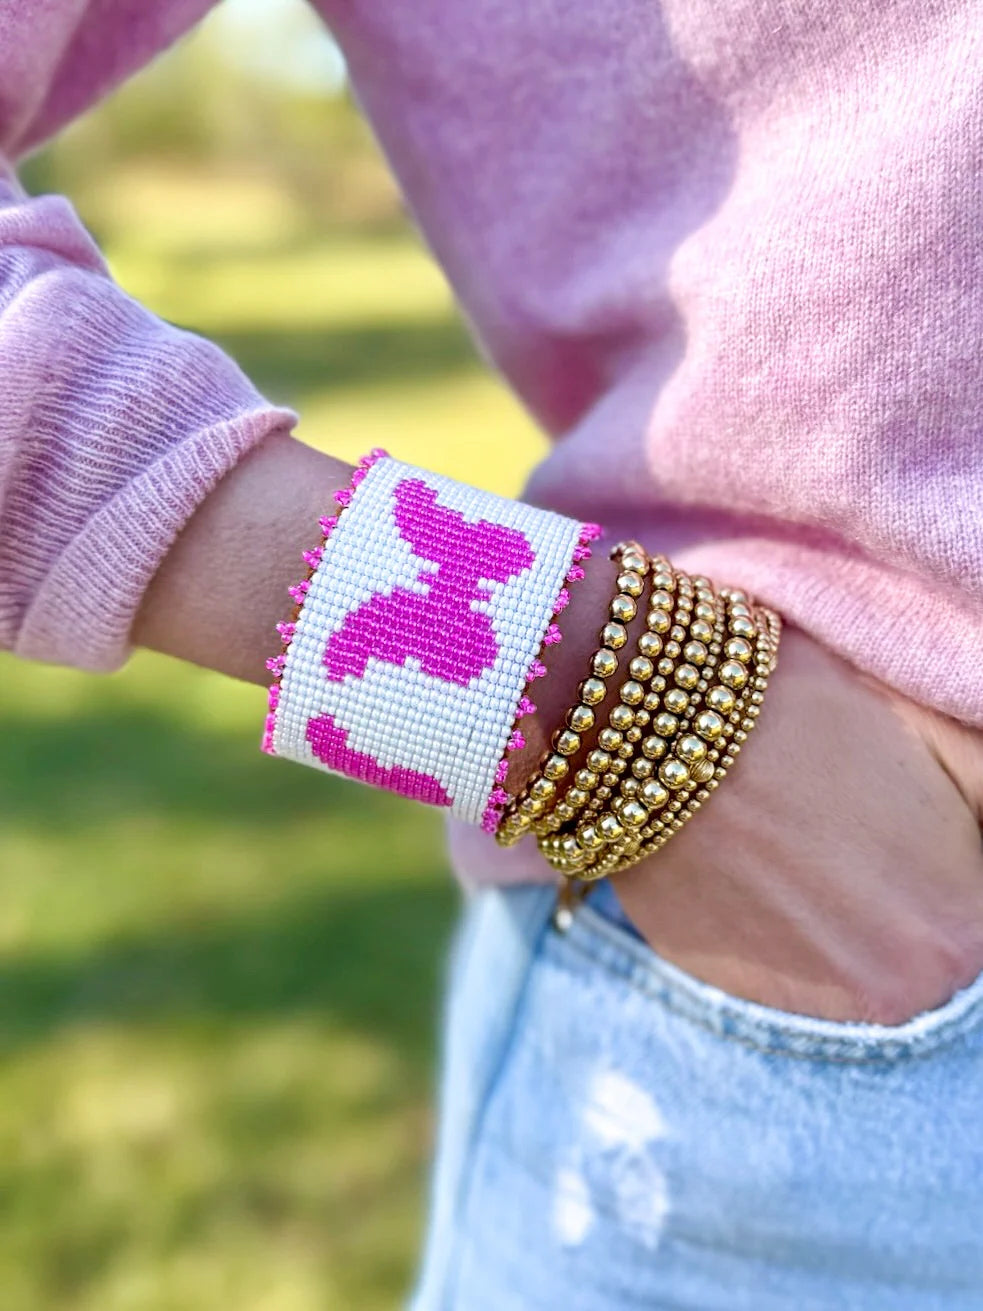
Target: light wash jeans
[[617, 1135]]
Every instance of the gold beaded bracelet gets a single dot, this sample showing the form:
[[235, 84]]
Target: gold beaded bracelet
[[634, 790], [535, 799], [699, 761]]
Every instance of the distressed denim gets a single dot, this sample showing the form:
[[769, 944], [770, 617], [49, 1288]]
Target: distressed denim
[[616, 1134]]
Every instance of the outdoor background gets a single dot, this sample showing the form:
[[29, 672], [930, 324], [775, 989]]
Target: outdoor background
[[219, 973]]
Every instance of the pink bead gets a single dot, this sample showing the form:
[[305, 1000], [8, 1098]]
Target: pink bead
[[525, 707], [502, 771], [574, 573], [344, 496], [562, 600], [516, 741], [590, 532], [273, 698], [489, 821], [268, 729], [327, 522], [275, 665], [357, 476], [286, 631], [298, 591], [313, 558], [536, 670], [499, 797], [552, 636]]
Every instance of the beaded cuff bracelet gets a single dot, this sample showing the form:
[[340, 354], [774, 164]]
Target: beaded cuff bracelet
[[415, 634]]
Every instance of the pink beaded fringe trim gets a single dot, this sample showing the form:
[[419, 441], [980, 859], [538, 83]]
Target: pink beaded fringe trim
[[499, 798], [298, 592]]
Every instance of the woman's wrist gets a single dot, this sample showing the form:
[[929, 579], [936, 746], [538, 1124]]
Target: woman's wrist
[[222, 586]]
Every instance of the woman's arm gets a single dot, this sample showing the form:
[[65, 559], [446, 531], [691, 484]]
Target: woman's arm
[[838, 870]]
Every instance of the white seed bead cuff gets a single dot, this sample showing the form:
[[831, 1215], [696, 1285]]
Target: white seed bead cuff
[[428, 604]]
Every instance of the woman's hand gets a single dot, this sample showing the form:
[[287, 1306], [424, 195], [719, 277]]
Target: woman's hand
[[838, 870]]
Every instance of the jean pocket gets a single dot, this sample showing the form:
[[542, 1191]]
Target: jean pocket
[[600, 931]]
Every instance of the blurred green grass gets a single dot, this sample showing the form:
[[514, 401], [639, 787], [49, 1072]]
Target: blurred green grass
[[219, 974]]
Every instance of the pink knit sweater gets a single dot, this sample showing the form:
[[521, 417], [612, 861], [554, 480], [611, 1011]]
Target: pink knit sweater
[[728, 252]]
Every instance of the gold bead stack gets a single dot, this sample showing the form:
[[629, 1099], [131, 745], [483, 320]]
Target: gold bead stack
[[695, 679]]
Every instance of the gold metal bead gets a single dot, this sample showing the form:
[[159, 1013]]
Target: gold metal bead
[[531, 807], [678, 633], [626, 751], [695, 653], [649, 645], [709, 725], [603, 792], [566, 742], [632, 693], [634, 734], [721, 699], [651, 702], [556, 766], [605, 662], [662, 578], [641, 668], [673, 773], [592, 691], [642, 716], [653, 794], [617, 766], [580, 718], [622, 608], [563, 812], [658, 621], [732, 673], [654, 747], [622, 717], [665, 725], [543, 789], [687, 676], [634, 561], [740, 609], [642, 767], [577, 798], [629, 786], [691, 749], [739, 648], [741, 626], [610, 828], [589, 838], [676, 700], [614, 635], [609, 739], [661, 600], [703, 611], [633, 814], [700, 630], [584, 778], [598, 761], [630, 584]]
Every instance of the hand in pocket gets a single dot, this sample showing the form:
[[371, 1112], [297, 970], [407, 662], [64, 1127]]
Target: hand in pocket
[[838, 871]]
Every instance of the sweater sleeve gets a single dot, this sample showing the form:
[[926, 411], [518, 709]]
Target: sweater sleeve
[[114, 426]]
